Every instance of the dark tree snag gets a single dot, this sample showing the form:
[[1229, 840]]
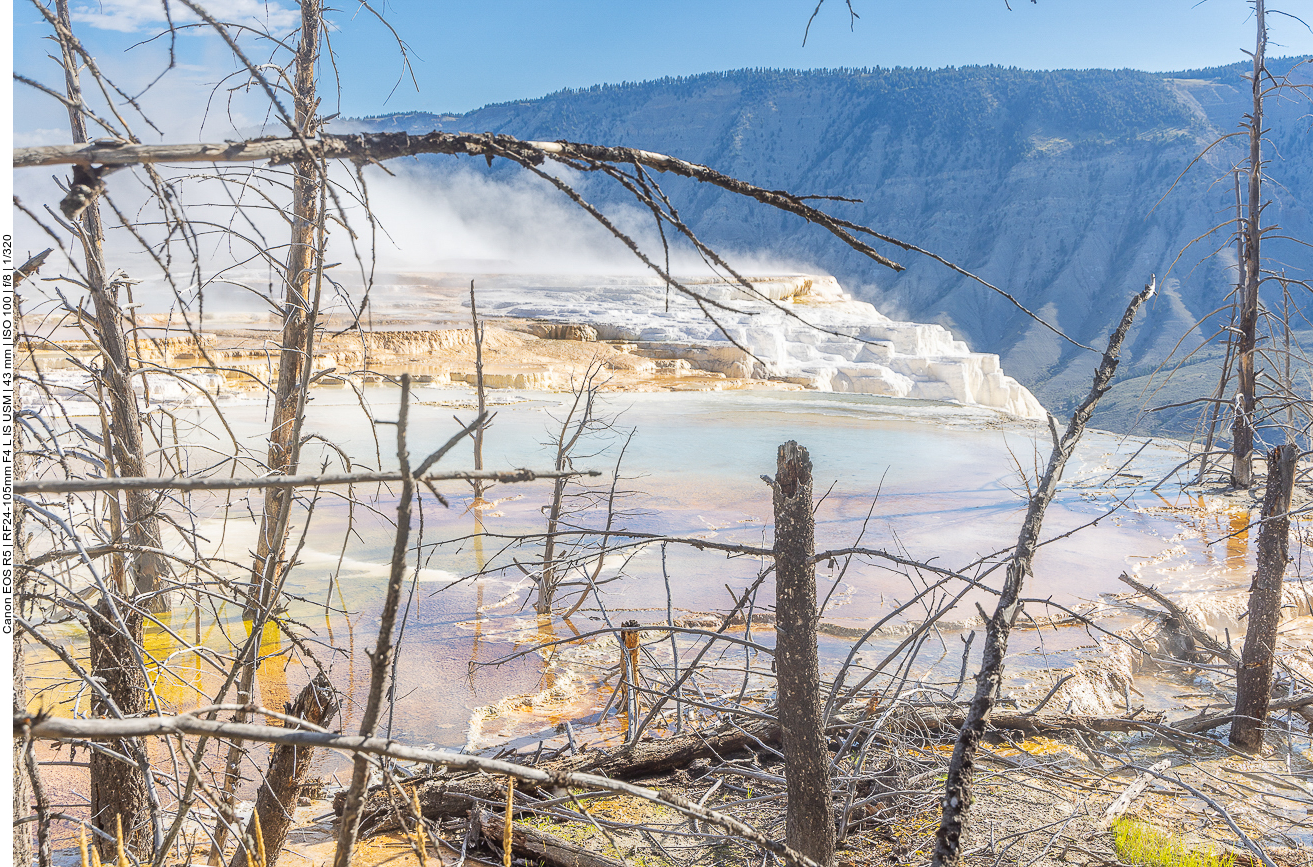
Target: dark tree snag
[[809, 820], [1246, 401], [119, 789], [288, 765], [1254, 674], [961, 769], [22, 791], [539, 846], [126, 450], [446, 795]]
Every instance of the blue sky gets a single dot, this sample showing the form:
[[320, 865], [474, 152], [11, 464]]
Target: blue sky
[[466, 55]]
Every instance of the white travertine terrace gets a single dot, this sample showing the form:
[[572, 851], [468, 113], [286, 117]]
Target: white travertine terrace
[[864, 351]]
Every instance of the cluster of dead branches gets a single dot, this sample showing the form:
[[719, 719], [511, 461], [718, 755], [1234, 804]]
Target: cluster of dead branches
[[139, 530]]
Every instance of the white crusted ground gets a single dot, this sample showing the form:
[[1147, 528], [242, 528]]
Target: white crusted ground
[[809, 331]]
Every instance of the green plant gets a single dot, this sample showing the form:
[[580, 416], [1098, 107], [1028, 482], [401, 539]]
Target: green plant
[[1140, 843]]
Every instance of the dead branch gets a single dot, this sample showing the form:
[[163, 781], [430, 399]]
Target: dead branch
[[958, 787], [52, 728], [380, 660], [442, 794], [1185, 618], [537, 845], [165, 483]]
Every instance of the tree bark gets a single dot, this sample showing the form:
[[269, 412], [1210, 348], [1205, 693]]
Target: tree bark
[[1242, 429], [958, 788], [539, 846], [22, 790], [118, 789], [1254, 675], [809, 820], [300, 309], [288, 765], [126, 451]]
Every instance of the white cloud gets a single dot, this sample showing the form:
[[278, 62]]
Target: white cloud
[[132, 16]]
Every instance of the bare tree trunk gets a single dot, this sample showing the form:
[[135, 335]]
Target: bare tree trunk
[[381, 658], [22, 790], [1254, 674], [127, 451], [809, 821], [479, 484], [578, 421], [1242, 429], [288, 766], [300, 308], [118, 789], [1215, 409], [958, 792]]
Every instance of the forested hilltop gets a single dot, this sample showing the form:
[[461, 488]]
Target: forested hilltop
[[1044, 183]]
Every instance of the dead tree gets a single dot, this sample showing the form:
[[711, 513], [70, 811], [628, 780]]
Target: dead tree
[[125, 452], [1254, 674], [301, 282], [118, 787], [481, 394], [1246, 338], [809, 821], [22, 791], [300, 309], [961, 770], [380, 659], [288, 765], [579, 421]]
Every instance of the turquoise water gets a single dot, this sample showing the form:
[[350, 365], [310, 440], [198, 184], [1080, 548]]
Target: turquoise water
[[950, 491]]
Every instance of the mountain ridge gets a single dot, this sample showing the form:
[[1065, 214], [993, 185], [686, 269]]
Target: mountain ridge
[[1053, 185]]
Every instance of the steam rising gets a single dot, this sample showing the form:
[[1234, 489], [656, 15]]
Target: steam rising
[[453, 218]]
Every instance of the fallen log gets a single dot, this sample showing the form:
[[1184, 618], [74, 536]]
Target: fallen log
[[1185, 619], [1039, 725], [1133, 791], [441, 794], [1298, 703], [535, 845]]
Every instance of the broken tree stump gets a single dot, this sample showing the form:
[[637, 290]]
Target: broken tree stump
[[288, 765], [809, 816], [1254, 674]]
